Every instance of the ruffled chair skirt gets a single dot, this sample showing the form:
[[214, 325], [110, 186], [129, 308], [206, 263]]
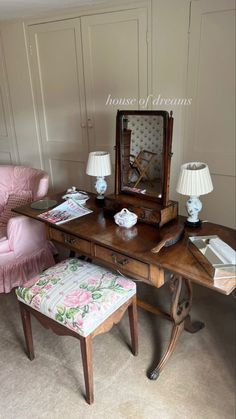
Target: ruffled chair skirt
[[20, 271]]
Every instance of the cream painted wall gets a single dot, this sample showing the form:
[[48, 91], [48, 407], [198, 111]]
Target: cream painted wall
[[13, 40], [170, 25], [170, 20], [210, 121], [8, 145]]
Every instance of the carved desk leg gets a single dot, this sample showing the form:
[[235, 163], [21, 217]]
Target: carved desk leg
[[192, 327], [180, 307]]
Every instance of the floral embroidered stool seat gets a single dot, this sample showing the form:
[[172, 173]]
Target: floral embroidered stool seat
[[79, 299]]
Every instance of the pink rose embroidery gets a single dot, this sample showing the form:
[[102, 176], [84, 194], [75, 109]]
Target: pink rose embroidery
[[93, 282], [93, 308], [79, 319], [35, 289], [77, 322], [109, 275], [36, 303], [48, 286], [124, 283], [78, 298]]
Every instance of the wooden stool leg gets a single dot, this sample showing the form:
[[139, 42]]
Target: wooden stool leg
[[87, 358], [26, 321], [133, 322]]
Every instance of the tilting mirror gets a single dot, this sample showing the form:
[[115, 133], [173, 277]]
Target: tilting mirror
[[143, 156], [141, 153]]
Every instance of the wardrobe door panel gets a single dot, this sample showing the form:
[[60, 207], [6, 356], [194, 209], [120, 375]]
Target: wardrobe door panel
[[210, 120], [8, 146], [211, 84], [115, 68], [59, 92]]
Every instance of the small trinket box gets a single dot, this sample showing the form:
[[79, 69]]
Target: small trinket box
[[125, 218]]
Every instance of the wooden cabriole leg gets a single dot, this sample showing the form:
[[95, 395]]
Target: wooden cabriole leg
[[26, 321], [179, 314], [133, 322], [87, 358]]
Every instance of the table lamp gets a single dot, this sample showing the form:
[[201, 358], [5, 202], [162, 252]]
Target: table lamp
[[194, 181], [99, 165]]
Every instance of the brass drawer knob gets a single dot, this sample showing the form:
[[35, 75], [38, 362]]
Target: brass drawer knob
[[70, 240], [121, 262]]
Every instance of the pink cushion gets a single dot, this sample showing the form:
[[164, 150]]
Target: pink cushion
[[14, 200], [77, 294], [20, 178]]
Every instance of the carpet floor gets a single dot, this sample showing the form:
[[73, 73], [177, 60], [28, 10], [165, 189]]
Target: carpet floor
[[198, 381]]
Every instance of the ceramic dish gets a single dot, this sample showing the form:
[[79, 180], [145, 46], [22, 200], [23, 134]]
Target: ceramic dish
[[78, 197], [125, 218]]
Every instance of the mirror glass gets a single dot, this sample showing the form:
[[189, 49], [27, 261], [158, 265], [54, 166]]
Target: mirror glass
[[141, 153]]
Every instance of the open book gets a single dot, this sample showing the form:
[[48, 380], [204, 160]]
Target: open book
[[216, 257], [67, 211]]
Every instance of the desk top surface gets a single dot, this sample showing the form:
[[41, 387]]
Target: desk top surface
[[138, 241]]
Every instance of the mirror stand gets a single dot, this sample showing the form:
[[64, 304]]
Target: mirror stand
[[143, 156]]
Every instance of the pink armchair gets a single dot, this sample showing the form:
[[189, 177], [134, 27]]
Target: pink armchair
[[24, 250]]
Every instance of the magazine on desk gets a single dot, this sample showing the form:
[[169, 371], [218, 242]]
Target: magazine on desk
[[67, 211]]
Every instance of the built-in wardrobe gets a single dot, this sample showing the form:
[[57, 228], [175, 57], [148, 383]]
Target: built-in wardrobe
[[83, 70]]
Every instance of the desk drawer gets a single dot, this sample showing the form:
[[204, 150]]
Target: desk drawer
[[71, 241], [122, 262]]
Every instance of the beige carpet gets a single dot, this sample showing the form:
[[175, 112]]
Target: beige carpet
[[198, 381]]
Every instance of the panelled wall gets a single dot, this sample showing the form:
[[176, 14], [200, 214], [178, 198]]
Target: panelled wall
[[59, 74], [75, 68], [210, 121], [21, 96], [119, 58], [8, 145]]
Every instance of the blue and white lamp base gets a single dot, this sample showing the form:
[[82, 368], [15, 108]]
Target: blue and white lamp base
[[193, 207], [101, 187]]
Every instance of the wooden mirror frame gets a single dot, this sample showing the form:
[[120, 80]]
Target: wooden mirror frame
[[166, 160], [149, 209]]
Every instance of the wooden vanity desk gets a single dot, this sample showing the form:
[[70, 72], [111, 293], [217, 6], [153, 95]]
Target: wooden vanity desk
[[129, 251], [143, 187]]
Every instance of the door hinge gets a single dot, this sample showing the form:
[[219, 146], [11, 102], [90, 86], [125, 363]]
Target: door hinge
[[147, 37], [30, 50]]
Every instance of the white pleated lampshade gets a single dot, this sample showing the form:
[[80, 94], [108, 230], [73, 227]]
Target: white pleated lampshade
[[194, 179], [99, 164]]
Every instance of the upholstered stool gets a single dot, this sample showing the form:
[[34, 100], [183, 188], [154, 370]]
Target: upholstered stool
[[79, 299]]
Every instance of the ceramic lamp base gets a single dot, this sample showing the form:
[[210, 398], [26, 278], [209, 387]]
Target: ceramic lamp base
[[193, 225], [193, 206], [101, 187]]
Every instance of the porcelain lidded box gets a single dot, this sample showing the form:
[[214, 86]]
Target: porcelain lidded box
[[125, 218]]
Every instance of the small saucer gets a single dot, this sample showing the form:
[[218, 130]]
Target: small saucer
[[79, 198], [43, 204]]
